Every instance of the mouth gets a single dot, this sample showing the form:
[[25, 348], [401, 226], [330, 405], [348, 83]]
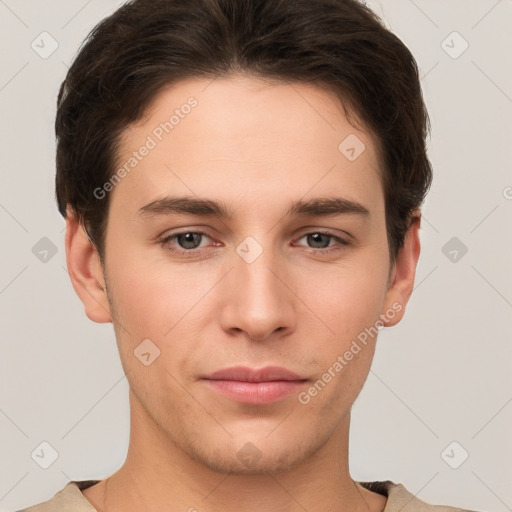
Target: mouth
[[254, 386]]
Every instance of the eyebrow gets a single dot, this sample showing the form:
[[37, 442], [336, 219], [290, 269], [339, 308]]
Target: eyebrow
[[322, 206]]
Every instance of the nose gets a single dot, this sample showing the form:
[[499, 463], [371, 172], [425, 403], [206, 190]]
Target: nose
[[257, 298]]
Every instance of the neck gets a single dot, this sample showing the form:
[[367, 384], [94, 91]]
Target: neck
[[159, 475]]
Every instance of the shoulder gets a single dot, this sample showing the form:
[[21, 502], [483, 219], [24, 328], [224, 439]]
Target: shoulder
[[399, 498], [70, 499]]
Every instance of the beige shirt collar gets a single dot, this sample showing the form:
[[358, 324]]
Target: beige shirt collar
[[71, 499]]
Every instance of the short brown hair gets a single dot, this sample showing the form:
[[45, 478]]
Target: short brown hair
[[147, 45]]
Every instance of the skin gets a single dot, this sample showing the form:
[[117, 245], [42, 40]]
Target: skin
[[256, 146]]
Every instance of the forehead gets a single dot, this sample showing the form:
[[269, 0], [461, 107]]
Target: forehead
[[243, 137]]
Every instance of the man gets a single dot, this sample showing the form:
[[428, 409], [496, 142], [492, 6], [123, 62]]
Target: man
[[242, 182]]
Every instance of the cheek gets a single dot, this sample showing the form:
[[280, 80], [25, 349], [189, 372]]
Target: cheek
[[336, 386], [346, 298], [343, 359], [152, 299]]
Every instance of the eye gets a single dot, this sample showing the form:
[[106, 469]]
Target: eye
[[321, 242], [188, 241]]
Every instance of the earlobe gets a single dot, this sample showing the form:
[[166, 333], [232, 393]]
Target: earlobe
[[402, 276], [85, 271]]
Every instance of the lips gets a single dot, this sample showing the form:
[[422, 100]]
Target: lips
[[243, 373], [254, 386]]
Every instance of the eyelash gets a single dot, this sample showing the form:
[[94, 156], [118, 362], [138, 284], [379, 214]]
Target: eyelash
[[182, 252]]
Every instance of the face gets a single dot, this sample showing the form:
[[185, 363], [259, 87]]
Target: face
[[279, 258]]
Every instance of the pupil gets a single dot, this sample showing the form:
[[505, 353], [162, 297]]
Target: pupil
[[315, 237], [189, 240]]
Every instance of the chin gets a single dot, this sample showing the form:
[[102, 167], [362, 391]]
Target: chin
[[257, 457]]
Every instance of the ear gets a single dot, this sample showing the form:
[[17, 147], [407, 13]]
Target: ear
[[402, 275], [85, 271]]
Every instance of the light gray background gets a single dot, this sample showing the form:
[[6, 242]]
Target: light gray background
[[442, 375]]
